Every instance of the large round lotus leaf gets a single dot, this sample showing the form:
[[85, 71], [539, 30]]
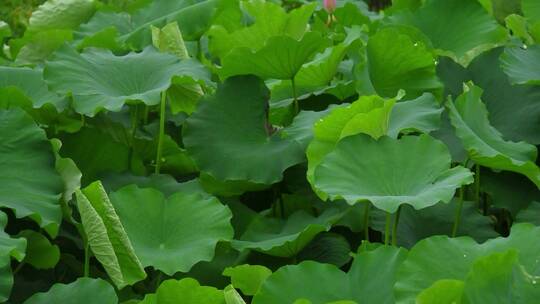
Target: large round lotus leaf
[[172, 234], [98, 79], [484, 143], [29, 83], [29, 183], [270, 20], [461, 29], [369, 115], [280, 58], [234, 122], [285, 238], [323, 283], [9, 247], [439, 257], [415, 225], [388, 172], [396, 62], [513, 109], [83, 290], [522, 65]]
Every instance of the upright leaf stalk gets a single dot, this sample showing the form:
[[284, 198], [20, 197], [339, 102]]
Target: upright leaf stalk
[[161, 131]]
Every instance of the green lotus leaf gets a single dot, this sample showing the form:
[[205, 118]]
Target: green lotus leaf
[[316, 282], [442, 292], [102, 31], [174, 159], [421, 114], [68, 171], [83, 290], [50, 25], [499, 278], [389, 172], [301, 129], [114, 30], [415, 225], [284, 238], [29, 183], [106, 236], [304, 301], [484, 143], [496, 278], [247, 278], [187, 291], [233, 121], [98, 79], [313, 77], [368, 115], [60, 14], [27, 84], [509, 190], [327, 247], [324, 283], [38, 47], [166, 184], [270, 20], [531, 9], [521, 65], [513, 109], [232, 296], [280, 58], [182, 97], [316, 75], [397, 62], [94, 160], [40, 253], [5, 31], [9, 247], [159, 227], [461, 29], [530, 214], [365, 274], [500, 9], [518, 26], [423, 266]]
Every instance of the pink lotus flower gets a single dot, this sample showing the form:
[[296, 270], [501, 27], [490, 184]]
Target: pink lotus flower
[[329, 5]]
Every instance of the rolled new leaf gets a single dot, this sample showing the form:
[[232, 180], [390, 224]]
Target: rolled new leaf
[[183, 97], [106, 236]]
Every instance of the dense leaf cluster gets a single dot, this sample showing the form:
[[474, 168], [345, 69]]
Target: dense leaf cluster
[[270, 152]]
